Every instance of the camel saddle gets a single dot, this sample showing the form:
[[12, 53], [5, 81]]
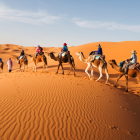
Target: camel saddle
[[65, 53], [100, 57], [23, 57], [133, 66]]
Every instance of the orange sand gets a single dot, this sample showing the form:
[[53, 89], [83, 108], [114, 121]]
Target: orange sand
[[46, 106]]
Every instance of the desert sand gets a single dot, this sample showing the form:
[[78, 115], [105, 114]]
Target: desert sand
[[46, 106]]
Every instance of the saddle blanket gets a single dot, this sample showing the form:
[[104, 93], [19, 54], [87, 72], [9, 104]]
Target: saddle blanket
[[22, 57], [63, 54], [97, 57], [133, 66]]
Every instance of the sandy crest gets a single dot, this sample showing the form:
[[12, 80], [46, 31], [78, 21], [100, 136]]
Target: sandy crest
[[49, 106]]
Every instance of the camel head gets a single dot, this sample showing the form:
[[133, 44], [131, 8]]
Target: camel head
[[17, 58], [79, 53], [51, 54], [111, 62]]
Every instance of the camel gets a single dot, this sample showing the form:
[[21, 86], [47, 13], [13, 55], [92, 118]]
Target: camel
[[38, 59], [63, 59], [23, 61], [1, 66], [96, 63], [131, 73]]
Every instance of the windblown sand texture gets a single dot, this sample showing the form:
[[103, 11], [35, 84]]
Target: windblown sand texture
[[46, 106]]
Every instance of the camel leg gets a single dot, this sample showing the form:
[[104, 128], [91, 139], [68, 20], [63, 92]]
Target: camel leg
[[47, 68], [27, 67], [20, 68], [24, 68], [74, 69], [43, 67], [73, 66], [91, 71], [138, 78], [35, 68], [126, 77], [118, 79], [100, 70], [62, 69], [107, 75], [58, 68], [70, 69], [87, 70]]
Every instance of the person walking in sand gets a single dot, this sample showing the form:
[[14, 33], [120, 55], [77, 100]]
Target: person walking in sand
[[10, 64]]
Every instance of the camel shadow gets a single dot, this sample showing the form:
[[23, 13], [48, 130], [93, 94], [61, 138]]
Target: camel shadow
[[52, 66]]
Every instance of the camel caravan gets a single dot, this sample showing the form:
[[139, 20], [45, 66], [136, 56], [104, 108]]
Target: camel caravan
[[96, 59]]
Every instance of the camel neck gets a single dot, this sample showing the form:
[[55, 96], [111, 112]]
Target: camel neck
[[116, 67], [81, 57], [55, 58]]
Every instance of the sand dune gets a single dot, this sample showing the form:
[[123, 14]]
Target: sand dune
[[47, 106]]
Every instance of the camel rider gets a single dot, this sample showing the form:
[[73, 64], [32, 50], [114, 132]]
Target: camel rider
[[21, 55], [0, 59], [133, 60], [97, 53], [39, 51], [65, 49]]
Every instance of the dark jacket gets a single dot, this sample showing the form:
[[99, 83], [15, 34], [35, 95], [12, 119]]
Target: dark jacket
[[22, 53]]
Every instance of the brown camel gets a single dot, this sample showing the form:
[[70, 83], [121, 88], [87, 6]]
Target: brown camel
[[23, 61], [38, 59], [1, 66], [63, 59], [131, 73], [96, 63]]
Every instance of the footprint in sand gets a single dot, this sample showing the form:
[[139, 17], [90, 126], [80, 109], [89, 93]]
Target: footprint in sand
[[123, 108], [109, 101], [133, 134], [119, 87], [113, 127]]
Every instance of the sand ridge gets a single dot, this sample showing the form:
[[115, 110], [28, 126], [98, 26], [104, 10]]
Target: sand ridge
[[48, 106]]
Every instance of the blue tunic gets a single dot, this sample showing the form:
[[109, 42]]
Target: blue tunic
[[65, 49], [99, 51]]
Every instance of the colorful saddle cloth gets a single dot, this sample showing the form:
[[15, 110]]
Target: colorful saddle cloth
[[133, 66]]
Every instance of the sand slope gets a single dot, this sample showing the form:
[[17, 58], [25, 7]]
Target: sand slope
[[47, 106]]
